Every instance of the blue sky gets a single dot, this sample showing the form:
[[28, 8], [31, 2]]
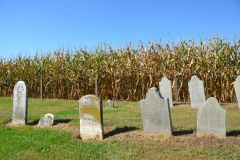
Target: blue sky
[[30, 26]]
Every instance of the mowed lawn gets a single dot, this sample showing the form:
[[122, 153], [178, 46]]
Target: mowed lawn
[[123, 131]]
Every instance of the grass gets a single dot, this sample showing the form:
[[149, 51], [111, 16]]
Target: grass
[[124, 138]]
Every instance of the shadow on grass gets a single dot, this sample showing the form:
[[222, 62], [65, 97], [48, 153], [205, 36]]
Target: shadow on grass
[[115, 107], [120, 130], [55, 121], [181, 103], [183, 132], [234, 133], [33, 123], [62, 121]]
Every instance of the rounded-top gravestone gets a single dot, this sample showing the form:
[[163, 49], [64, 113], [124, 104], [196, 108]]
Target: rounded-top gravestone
[[46, 120], [196, 90], [91, 118], [20, 103]]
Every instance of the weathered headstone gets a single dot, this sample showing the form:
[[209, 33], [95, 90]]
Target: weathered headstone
[[20, 103], [46, 120], [211, 119], [156, 114], [197, 94], [166, 89], [91, 117], [237, 89], [110, 104]]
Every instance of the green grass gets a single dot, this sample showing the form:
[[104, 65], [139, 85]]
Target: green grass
[[127, 140]]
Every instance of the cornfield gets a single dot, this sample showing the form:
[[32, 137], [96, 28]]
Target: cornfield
[[127, 73]]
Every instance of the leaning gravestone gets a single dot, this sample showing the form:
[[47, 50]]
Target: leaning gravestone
[[20, 103], [156, 115], [237, 89], [91, 118], [197, 94], [211, 119], [166, 89], [110, 104], [46, 120]]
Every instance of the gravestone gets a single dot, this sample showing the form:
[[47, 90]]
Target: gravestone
[[110, 104], [20, 103], [166, 89], [197, 94], [156, 114], [237, 89], [91, 118], [46, 120], [211, 119]]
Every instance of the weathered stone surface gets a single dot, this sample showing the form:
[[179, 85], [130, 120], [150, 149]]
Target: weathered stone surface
[[20, 103], [197, 94], [156, 114], [166, 89], [46, 120], [211, 119], [237, 89], [110, 104], [91, 118]]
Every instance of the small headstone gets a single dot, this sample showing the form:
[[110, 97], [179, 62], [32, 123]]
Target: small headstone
[[91, 118], [156, 114], [166, 89], [197, 94], [110, 104], [237, 89], [20, 103], [211, 119], [46, 120]]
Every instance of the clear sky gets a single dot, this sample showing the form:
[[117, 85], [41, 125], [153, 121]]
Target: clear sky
[[28, 26]]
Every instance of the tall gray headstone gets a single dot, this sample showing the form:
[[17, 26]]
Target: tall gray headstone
[[237, 89], [197, 94], [166, 89], [156, 114], [211, 119], [91, 118], [110, 104], [20, 103]]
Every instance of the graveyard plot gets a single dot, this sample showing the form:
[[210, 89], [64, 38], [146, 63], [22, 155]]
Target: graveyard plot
[[124, 137]]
